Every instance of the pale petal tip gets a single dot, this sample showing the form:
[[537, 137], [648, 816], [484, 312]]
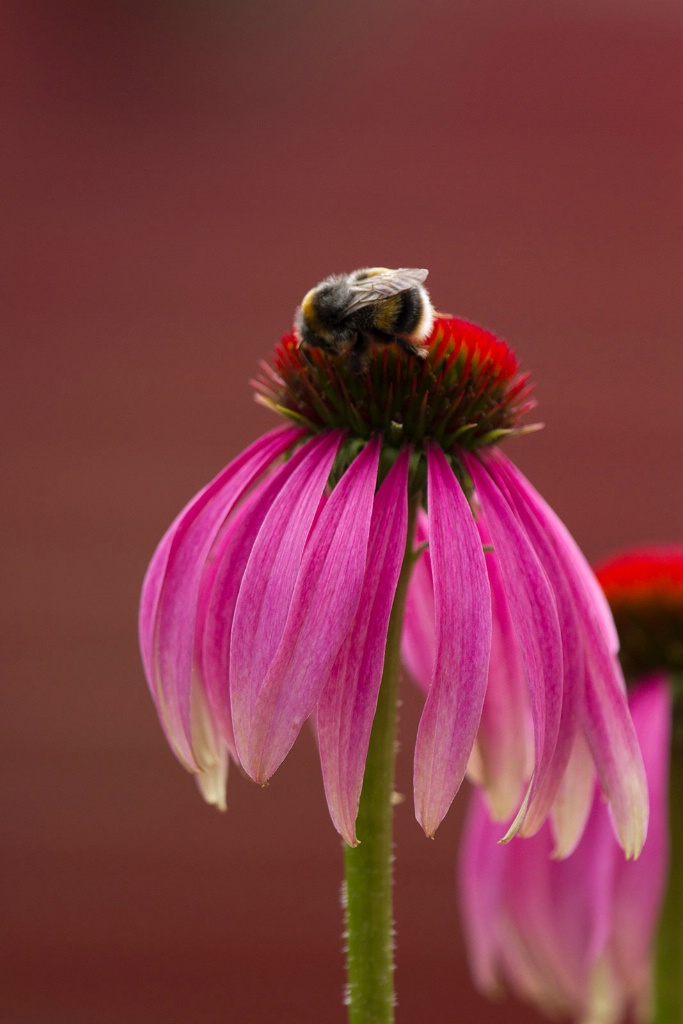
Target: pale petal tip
[[212, 786], [429, 829], [426, 822], [633, 832]]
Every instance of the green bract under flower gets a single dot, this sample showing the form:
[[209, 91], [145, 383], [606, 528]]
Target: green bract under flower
[[468, 392]]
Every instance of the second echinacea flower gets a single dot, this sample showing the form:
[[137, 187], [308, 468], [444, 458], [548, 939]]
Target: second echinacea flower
[[572, 936], [268, 599], [576, 936]]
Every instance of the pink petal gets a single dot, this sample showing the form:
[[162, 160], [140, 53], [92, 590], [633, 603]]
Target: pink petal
[[267, 570], [534, 616], [505, 739], [573, 935], [640, 883], [321, 612], [290, 494], [574, 798], [211, 752], [418, 639], [462, 605], [572, 664], [222, 576], [535, 957], [534, 922], [561, 911], [573, 553], [170, 590], [346, 708], [606, 720], [611, 738], [480, 880]]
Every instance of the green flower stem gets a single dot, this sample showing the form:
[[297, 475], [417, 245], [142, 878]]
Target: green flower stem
[[369, 880], [669, 960]]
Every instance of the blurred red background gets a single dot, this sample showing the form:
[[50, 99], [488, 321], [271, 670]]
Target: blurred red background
[[174, 178]]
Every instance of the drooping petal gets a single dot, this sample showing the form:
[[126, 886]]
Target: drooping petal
[[573, 668], [418, 638], [639, 884], [480, 886], [323, 605], [236, 538], [210, 750], [290, 495], [606, 720], [611, 738], [575, 935], [248, 465], [502, 755], [504, 746], [541, 923], [347, 704], [574, 798], [533, 611], [462, 607], [253, 592], [171, 587], [544, 956]]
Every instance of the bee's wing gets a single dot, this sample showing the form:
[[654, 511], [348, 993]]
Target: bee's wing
[[382, 285]]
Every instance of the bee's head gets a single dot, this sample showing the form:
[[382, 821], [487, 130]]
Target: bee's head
[[330, 299], [323, 308]]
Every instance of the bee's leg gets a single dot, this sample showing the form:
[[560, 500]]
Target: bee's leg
[[411, 348], [303, 352], [321, 343], [395, 339], [357, 356]]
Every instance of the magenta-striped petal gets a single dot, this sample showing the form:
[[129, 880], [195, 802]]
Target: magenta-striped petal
[[533, 611], [639, 884], [170, 590], [267, 574], [480, 884], [611, 738], [233, 545], [292, 492], [532, 922], [418, 638], [323, 606], [503, 754], [562, 910], [575, 935], [606, 720], [572, 667], [347, 704], [462, 608]]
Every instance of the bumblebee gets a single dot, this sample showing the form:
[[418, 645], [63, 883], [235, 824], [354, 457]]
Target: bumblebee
[[346, 313]]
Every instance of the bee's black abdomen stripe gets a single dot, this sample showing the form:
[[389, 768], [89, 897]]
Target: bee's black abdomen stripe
[[409, 314]]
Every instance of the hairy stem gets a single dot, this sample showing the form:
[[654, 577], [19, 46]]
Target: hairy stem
[[369, 879], [669, 959]]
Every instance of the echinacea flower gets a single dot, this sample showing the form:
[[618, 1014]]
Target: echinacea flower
[[644, 588], [575, 936], [268, 599]]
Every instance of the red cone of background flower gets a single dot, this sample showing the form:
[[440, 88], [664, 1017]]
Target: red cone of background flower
[[268, 599]]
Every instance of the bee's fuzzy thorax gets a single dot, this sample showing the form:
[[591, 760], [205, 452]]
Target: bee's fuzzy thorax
[[467, 393]]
